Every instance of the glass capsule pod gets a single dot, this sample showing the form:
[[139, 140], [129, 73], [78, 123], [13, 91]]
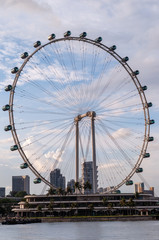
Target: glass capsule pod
[[129, 182], [143, 88], [112, 48], [14, 70], [8, 88], [14, 147], [8, 128], [146, 155], [150, 139], [125, 59], [6, 107], [23, 165], [82, 35], [139, 170], [135, 73], [37, 180], [149, 104], [24, 55], [37, 44], [67, 34], [99, 39], [151, 121], [51, 36]]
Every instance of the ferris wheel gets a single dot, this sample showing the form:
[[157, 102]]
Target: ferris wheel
[[74, 100]]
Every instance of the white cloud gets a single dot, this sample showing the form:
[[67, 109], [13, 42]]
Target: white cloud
[[122, 133]]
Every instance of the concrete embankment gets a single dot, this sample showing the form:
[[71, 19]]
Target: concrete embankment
[[92, 219]]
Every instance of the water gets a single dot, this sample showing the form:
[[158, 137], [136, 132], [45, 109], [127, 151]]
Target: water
[[145, 230]]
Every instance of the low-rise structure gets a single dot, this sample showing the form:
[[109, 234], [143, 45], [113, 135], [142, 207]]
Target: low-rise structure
[[91, 204]]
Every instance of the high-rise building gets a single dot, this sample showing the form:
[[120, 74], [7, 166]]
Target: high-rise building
[[71, 184], [57, 179], [87, 176], [2, 192], [21, 183], [139, 187]]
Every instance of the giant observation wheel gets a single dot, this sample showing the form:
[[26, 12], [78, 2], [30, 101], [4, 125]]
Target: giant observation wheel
[[74, 100]]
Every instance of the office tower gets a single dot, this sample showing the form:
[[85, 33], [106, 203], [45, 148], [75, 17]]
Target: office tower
[[57, 179], [71, 184], [87, 176], [139, 187], [2, 192], [21, 183]]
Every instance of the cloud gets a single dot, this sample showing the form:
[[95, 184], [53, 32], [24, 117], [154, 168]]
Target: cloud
[[122, 133], [56, 155]]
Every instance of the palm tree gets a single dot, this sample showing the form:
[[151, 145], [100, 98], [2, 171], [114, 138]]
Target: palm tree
[[51, 206], [110, 207], [87, 185], [51, 191], [69, 190], [105, 202], [78, 186], [91, 207], [131, 203], [60, 191], [123, 203]]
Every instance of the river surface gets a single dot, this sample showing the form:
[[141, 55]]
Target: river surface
[[138, 230]]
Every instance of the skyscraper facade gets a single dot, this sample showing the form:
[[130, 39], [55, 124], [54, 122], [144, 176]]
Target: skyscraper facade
[[57, 179], [87, 176], [2, 192], [21, 183]]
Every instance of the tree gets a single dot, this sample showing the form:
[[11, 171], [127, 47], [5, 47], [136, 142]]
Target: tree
[[131, 203], [51, 191], [20, 194], [91, 208], [105, 202], [110, 206], [123, 202], [60, 191], [78, 186], [87, 185], [69, 190]]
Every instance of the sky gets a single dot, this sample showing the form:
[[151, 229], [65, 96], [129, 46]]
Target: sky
[[133, 26]]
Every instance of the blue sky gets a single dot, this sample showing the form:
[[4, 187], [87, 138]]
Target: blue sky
[[131, 25]]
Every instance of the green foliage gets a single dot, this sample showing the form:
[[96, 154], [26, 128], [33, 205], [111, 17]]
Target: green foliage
[[51, 191], [21, 194]]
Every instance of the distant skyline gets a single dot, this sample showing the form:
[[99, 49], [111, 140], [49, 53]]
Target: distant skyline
[[131, 25]]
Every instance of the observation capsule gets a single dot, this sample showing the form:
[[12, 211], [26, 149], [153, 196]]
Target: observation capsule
[[125, 59], [37, 44], [6, 107], [151, 122], [150, 139], [51, 36], [8, 88], [139, 170], [149, 104], [129, 182], [146, 155], [14, 70], [135, 73], [99, 39], [67, 34], [37, 180], [14, 147], [24, 55], [82, 35], [144, 88], [23, 165], [8, 128], [112, 48]]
